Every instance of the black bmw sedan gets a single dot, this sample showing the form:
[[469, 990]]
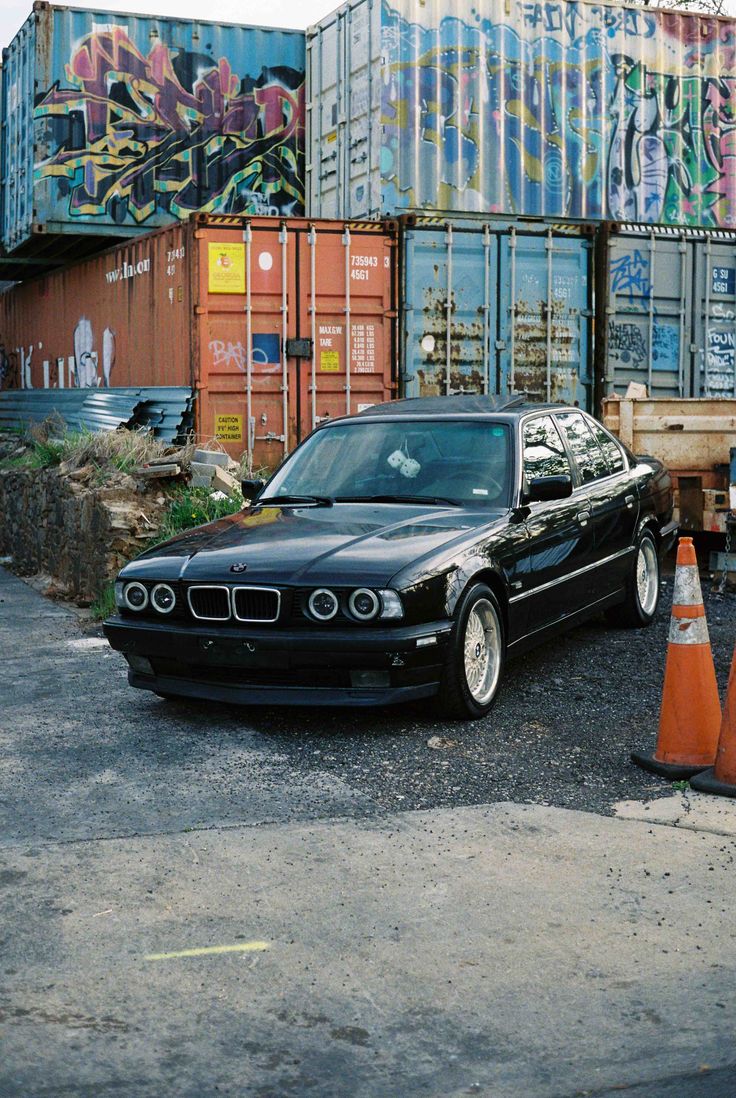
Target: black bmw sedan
[[402, 553]]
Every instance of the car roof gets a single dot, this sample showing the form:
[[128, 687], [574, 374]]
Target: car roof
[[517, 404]]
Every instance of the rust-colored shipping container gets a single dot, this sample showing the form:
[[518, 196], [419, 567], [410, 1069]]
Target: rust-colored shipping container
[[277, 324]]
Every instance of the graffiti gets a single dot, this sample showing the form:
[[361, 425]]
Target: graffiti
[[626, 343], [665, 347], [567, 109], [173, 132], [720, 363], [228, 354], [86, 358], [630, 276], [9, 373]]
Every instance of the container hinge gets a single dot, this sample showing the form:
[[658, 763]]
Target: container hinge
[[299, 348], [270, 436], [500, 344]]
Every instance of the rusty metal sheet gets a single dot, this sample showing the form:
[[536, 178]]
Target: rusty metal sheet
[[276, 323]]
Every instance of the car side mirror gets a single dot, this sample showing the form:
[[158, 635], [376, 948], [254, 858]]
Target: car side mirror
[[542, 489], [250, 488]]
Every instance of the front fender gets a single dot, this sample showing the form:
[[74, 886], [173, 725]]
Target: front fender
[[478, 566]]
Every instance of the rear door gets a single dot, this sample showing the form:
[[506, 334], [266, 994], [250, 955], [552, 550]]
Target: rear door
[[605, 490], [561, 532]]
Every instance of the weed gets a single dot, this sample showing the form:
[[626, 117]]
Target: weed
[[192, 507], [104, 604], [681, 787]]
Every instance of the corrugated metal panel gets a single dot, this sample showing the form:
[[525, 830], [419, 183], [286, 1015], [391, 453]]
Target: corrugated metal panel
[[118, 123], [488, 308], [277, 323], [671, 312], [561, 109], [167, 412]]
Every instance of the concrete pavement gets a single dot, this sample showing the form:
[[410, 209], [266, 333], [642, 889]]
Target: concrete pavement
[[506, 950]]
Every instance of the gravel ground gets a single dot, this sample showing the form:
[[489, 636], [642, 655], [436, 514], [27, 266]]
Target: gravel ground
[[566, 719]]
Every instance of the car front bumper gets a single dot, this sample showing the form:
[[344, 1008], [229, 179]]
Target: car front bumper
[[269, 666]]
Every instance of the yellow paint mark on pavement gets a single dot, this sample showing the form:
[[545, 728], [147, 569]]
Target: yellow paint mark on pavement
[[205, 951]]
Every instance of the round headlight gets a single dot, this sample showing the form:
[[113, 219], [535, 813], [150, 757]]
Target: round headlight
[[135, 596], [323, 604], [163, 598], [364, 604]]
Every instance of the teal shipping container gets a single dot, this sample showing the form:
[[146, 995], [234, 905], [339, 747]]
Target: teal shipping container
[[494, 307], [115, 124]]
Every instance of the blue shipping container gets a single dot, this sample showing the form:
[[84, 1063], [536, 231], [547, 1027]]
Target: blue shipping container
[[561, 109], [492, 308], [114, 124]]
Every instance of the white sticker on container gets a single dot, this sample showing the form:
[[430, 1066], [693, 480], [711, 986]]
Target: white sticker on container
[[265, 261], [428, 344]]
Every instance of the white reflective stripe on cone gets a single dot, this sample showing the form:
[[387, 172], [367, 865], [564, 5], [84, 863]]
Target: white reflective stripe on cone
[[689, 631], [687, 586]]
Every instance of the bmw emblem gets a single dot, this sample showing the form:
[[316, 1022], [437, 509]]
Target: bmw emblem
[[238, 568]]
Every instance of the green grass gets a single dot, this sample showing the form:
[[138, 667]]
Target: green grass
[[190, 507], [105, 451], [104, 604]]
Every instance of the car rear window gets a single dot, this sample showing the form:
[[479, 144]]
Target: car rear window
[[609, 446]]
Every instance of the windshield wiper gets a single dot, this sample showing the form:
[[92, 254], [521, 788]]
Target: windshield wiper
[[437, 500], [315, 501]]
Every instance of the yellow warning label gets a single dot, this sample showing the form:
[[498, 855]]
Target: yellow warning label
[[331, 137], [330, 361], [229, 428], [226, 268]]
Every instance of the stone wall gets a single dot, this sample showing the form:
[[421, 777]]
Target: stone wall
[[72, 529]]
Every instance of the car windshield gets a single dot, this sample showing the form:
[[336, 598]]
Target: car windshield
[[455, 461]]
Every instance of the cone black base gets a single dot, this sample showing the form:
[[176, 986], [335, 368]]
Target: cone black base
[[674, 771], [707, 782]]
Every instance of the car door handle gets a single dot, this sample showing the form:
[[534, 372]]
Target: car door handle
[[630, 501], [583, 517]]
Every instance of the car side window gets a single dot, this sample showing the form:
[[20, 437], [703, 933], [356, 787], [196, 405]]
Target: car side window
[[544, 450], [609, 446], [587, 453]]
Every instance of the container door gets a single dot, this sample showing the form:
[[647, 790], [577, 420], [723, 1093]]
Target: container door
[[343, 117], [247, 305], [16, 140], [649, 311], [346, 314], [715, 318], [545, 317], [449, 315]]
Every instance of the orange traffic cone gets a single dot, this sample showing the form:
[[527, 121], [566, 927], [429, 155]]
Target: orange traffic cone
[[691, 712], [721, 778]]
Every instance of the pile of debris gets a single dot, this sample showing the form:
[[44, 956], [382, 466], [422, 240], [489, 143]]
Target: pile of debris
[[202, 468], [77, 507]]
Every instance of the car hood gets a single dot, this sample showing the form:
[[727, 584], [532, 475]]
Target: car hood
[[346, 543]]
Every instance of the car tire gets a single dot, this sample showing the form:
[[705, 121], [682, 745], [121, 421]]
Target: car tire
[[167, 697], [639, 608], [475, 658]]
